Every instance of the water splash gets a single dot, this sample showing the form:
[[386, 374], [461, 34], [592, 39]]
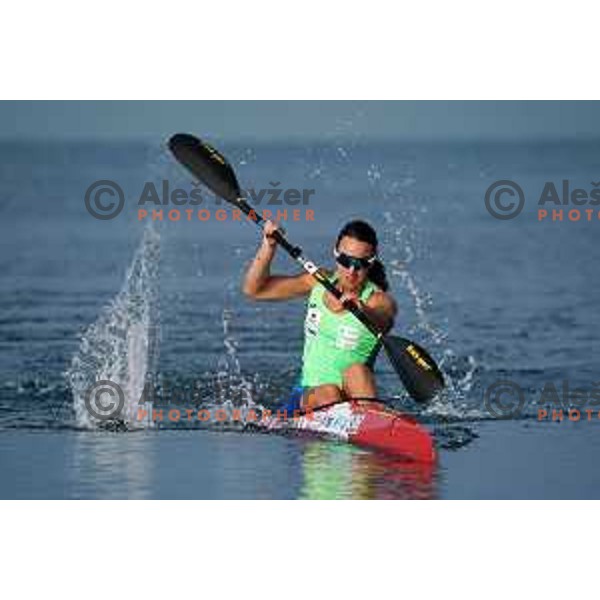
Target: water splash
[[459, 371], [233, 388], [122, 345]]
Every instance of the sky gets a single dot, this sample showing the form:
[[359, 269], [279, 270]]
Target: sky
[[287, 120]]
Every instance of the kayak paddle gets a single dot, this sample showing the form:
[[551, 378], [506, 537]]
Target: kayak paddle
[[417, 370]]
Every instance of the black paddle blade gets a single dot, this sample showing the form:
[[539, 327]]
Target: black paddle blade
[[417, 370], [206, 164]]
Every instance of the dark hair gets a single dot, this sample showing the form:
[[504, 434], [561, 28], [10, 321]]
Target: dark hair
[[363, 232]]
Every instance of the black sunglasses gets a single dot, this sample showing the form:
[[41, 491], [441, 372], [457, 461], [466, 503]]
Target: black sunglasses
[[353, 262]]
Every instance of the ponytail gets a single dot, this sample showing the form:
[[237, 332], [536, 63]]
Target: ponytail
[[377, 275]]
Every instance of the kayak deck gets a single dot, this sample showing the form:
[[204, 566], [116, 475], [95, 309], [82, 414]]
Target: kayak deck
[[364, 423]]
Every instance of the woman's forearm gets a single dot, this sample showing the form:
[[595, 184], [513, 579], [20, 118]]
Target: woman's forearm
[[258, 272]]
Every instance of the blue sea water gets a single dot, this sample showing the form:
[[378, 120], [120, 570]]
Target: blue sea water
[[493, 300]]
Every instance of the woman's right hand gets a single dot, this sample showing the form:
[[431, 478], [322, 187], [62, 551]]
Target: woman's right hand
[[268, 230]]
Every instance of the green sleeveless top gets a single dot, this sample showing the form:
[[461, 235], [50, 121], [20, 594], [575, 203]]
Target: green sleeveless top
[[334, 341]]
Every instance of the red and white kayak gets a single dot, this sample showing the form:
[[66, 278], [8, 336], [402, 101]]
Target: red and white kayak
[[364, 423]]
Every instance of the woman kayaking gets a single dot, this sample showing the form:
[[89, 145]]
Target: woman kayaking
[[339, 351]]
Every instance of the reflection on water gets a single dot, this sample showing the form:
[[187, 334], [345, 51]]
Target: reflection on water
[[339, 471], [195, 464], [112, 465], [141, 465]]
